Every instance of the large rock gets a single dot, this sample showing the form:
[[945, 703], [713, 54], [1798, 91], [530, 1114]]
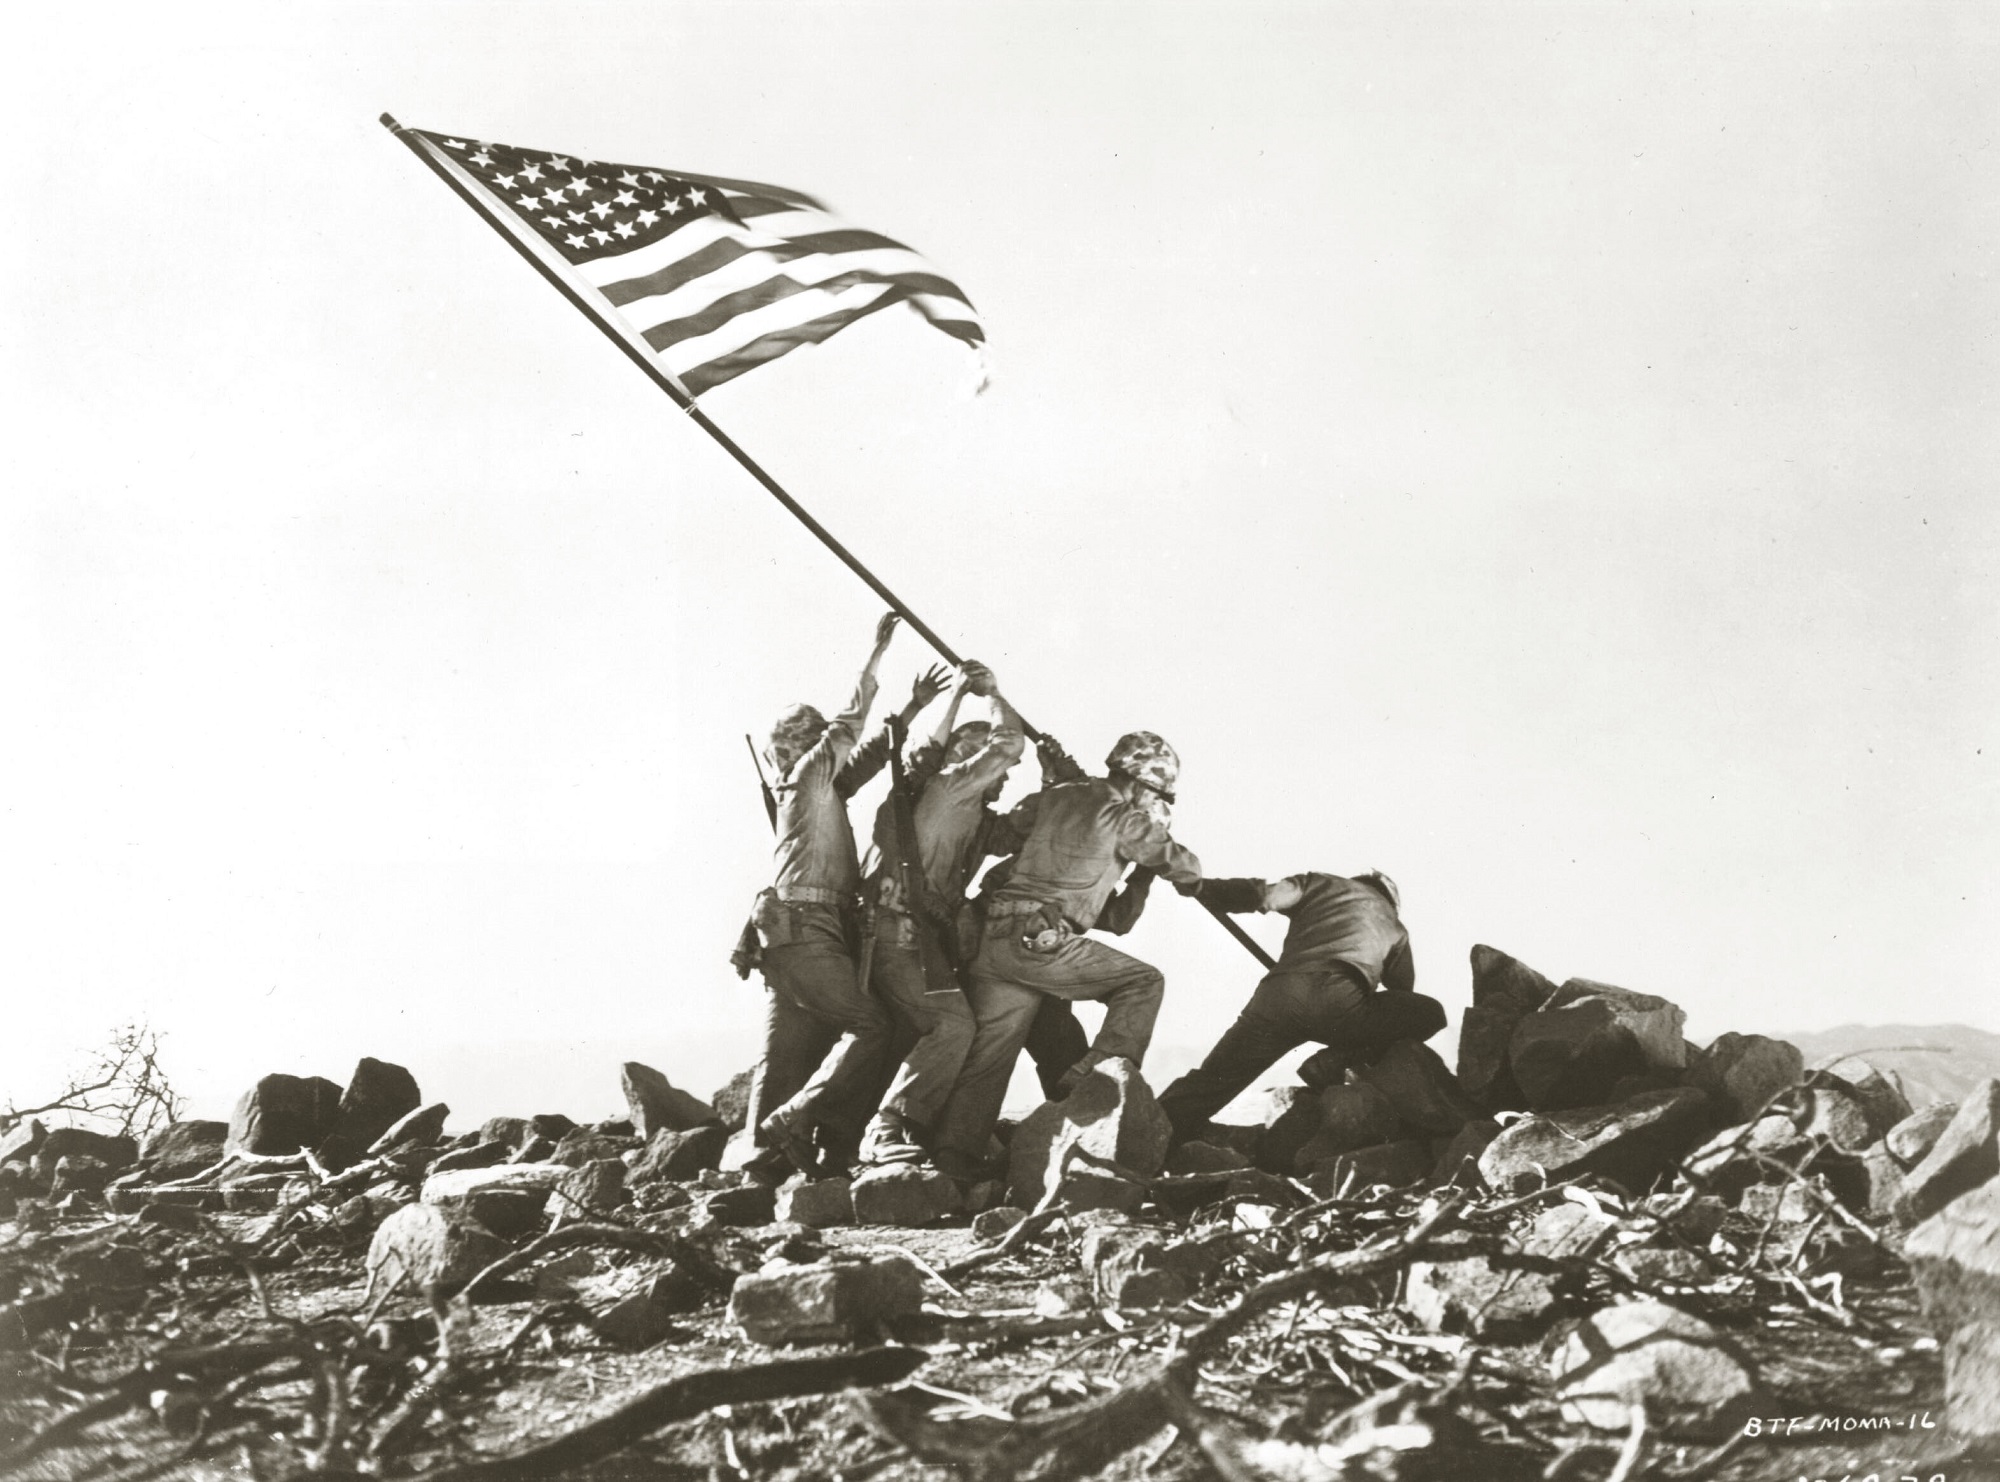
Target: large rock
[[659, 1105], [1839, 1117], [742, 1206], [509, 1132], [182, 1149], [1350, 1117], [1504, 991], [1571, 1055], [1136, 1266], [1291, 1117], [1910, 1141], [1742, 1072], [904, 1195], [479, 1155], [1424, 1094], [1632, 1143], [425, 1244], [1459, 1288], [378, 1096], [588, 1194], [1965, 1155], [1459, 1161], [818, 1204], [80, 1142], [1883, 1097], [1111, 1121], [679, 1156], [284, 1113], [1656, 1023], [1954, 1257], [1567, 1232], [826, 1302], [448, 1189], [19, 1143], [732, 1102], [421, 1128], [1692, 1381], [1393, 1164], [1972, 1381]]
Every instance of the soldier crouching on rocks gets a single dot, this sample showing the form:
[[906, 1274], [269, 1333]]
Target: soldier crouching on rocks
[[931, 835], [825, 1033], [1077, 840], [1345, 943]]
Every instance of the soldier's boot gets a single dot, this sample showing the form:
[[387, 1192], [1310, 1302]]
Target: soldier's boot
[[789, 1132], [891, 1139]]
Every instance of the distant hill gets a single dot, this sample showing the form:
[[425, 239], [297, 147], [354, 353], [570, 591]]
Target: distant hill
[[1935, 1062]]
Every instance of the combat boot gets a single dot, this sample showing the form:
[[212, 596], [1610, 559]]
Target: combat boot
[[891, 1139]]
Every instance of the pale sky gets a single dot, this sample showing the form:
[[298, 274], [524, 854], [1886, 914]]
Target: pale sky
[[1543, 452]]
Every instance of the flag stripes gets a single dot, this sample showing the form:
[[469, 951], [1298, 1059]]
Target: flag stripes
[[717, 276]]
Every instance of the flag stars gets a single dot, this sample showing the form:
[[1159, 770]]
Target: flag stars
[[579, 185], [531, 173], [558, 162], [647, 218], [506, 182], [625, 229], [628, 178], [697, 196], [599, 210], [554, 196], [482, 159], [600, 235], [576, 242], [578, 218], [625, 198], [554, 223], [673, 206]]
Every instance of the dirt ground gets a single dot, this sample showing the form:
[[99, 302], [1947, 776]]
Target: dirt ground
[[528, 1367]]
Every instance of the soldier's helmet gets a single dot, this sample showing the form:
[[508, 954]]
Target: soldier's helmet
[[1384, 884], [967, 741], [793, 735], [1147, 760]]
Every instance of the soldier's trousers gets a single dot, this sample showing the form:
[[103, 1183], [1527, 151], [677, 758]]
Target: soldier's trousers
[[820, 1022], [941, 1023], [1290, 1009], [1009, 984]]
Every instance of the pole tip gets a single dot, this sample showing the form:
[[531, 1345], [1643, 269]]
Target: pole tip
[[389, 122]]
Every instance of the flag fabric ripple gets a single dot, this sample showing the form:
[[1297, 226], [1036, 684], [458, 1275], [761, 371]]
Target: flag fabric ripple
[[717, 276]]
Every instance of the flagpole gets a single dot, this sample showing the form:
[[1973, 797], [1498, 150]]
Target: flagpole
[[680, 398]]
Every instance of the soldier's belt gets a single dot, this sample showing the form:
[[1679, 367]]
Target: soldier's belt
[[813, 895]]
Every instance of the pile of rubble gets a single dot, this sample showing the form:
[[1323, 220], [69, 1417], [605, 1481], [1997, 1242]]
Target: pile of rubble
[[1591, 1248]]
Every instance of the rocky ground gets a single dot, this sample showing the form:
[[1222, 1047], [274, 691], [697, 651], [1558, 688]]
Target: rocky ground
[[1591, 1251]]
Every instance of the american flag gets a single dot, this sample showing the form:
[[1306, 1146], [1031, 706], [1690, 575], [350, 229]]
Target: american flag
[[716, 276]]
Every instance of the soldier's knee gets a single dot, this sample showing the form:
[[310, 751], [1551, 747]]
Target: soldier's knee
[[1427, 1015]]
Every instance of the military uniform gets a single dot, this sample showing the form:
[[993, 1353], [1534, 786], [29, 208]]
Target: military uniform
[[1346, 944], [824, 1032], [953, 831], [1078, 839]]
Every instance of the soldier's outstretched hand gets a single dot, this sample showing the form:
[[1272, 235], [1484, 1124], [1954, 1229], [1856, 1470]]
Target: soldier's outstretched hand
[[977, 678], [929, 685], [885, 629]]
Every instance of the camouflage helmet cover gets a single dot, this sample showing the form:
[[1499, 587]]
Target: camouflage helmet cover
[[793, 735], [1147, 760]]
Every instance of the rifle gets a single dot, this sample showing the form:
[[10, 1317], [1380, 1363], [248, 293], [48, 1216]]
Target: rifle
[[749, 951], [939, 973], [770, 798]]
